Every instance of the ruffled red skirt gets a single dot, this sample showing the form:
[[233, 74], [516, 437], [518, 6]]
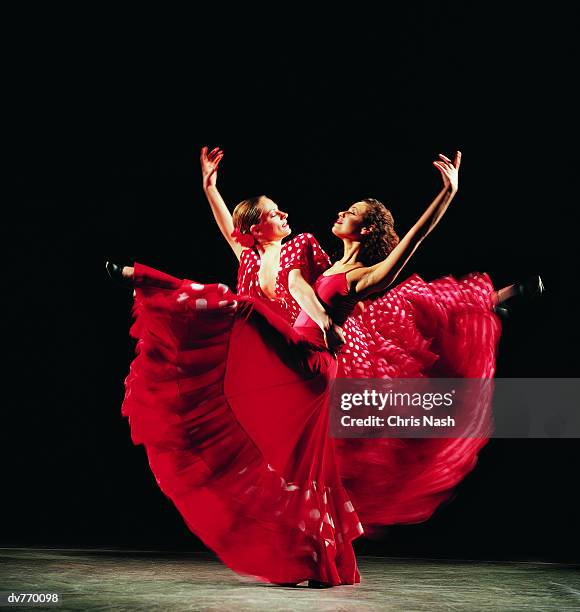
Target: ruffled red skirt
[[444, 328], [230, 403]]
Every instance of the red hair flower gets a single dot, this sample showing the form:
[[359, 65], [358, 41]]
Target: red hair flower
[[246, 240]]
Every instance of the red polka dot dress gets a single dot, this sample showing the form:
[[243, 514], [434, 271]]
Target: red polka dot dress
[[302, 252], [443, 328]]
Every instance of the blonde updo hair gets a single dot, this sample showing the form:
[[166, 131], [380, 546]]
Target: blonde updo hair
[[383, 238], [247, 213]]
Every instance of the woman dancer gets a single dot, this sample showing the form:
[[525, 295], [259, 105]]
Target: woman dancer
[[281, 274], [240, 445]]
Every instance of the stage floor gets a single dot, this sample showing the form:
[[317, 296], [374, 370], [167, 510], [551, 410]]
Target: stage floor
[[135, 580]]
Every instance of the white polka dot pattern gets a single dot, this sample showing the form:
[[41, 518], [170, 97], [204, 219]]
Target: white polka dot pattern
[[301, 252], [395, 335]]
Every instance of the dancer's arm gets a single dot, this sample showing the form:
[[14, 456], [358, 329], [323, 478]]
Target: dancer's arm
[[373, 279], [209, 165], [304, 294]]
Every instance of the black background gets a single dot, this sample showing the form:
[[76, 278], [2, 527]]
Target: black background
[[108, 114]]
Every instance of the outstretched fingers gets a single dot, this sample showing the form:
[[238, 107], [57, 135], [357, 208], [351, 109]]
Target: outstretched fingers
[[215, 155], [455, 163], [442, 167], [446, 161]]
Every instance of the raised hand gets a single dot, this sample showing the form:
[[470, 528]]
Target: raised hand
[[209, 165], [449, 170]]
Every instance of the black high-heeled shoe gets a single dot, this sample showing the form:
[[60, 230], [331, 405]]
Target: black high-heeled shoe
[[527, 291], [316, 584], [115, 272], [532, 288]]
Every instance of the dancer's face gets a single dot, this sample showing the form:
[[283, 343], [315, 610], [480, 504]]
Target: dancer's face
[[273, 224], [350, 223]]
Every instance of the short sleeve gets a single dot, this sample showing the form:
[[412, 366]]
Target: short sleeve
[[304, 253], [247, 273]]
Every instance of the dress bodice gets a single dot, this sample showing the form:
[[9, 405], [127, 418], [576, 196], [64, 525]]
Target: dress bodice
[[333, 292], [302, 252]]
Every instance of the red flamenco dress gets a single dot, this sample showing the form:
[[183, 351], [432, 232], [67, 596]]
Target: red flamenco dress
[[230, 403], [302, 252], [444, 328]]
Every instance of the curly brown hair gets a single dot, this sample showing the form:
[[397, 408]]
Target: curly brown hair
[[383, 238]]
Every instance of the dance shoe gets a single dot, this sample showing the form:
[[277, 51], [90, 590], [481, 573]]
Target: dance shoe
[[501, 311], [316, 584], [532, 288], [527, 291], [115, 272]]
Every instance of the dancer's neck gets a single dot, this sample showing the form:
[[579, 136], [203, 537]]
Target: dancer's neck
[[269, 248], [351, 252]]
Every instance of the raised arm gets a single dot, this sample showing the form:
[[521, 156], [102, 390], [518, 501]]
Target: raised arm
[[373, 279], [209, 165]]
